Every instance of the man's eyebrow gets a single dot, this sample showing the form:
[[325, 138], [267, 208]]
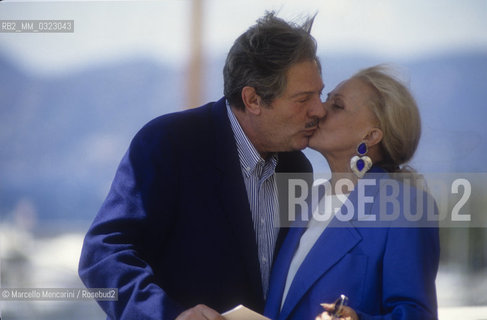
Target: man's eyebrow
[[302, 93]]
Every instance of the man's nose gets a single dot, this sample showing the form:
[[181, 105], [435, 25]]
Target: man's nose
[[318, 109]]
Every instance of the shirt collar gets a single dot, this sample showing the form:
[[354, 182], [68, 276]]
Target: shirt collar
[[250, 159]]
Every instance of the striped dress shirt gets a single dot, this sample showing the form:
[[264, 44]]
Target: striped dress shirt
[[260, 184]]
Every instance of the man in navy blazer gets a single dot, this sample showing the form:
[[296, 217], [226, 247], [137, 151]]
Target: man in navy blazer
[[176, 234]]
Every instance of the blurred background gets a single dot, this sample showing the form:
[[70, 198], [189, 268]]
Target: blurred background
[[71, 102]]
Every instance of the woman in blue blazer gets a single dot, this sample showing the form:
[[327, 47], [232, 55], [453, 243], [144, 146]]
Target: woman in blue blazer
[[369, 238]]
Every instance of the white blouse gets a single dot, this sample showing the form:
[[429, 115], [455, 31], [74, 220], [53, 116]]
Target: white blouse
[[314, 229]]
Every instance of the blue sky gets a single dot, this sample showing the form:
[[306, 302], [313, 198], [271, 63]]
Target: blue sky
[[111, 30]]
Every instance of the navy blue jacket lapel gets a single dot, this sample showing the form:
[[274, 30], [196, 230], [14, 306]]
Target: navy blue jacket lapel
[[233, 195]]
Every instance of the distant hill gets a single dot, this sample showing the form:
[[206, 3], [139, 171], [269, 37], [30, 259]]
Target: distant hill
[[62, 137]]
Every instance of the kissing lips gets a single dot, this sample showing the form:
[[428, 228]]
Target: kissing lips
[[312, 124]]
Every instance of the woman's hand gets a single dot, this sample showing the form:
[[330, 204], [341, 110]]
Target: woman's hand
[[346, 313]]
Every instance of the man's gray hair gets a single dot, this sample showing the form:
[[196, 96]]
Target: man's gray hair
[[261, 57]]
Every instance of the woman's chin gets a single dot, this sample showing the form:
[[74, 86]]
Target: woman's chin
[[313, 143]]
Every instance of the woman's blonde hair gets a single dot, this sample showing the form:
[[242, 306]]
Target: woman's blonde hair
[[398, 116]]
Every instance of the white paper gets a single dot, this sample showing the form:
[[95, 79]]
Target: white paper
[[241, 312]]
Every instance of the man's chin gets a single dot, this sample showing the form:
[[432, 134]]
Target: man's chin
[[296, 144], [302, 144], [311, 143]]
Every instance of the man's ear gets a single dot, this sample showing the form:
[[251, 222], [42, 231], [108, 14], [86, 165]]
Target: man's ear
[[251, 100], [374, 137]]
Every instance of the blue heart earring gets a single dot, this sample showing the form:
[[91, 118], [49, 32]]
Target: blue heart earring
[[361, 164]]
